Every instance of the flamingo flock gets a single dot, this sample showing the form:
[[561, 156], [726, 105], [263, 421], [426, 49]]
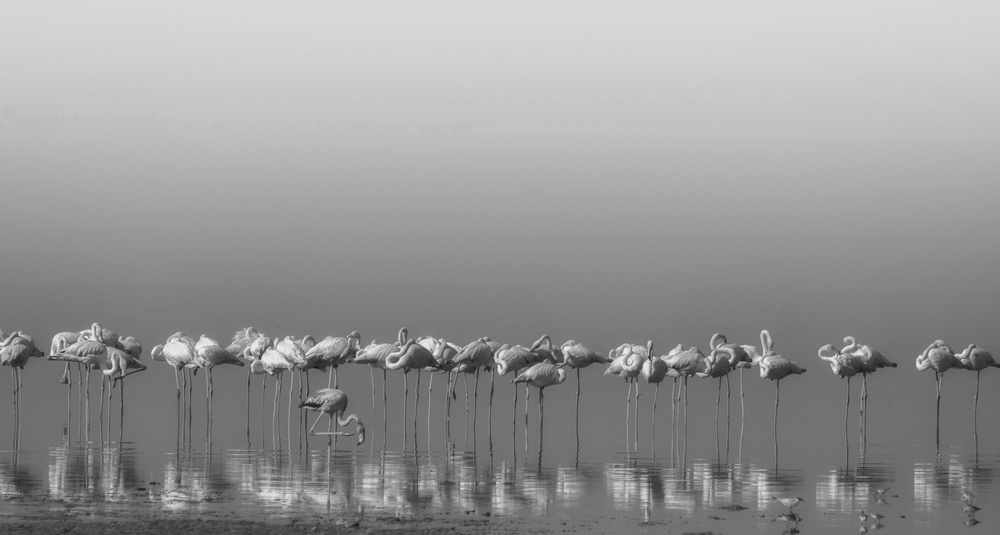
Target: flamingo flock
[[541, 364]]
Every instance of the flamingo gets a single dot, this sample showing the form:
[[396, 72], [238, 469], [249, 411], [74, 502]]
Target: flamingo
[[740, 359], [654, 370], [444, 353], [332, 402], [177, 352], [541, 375], [441, 355], [775, 367], [210, 354], [273, 363], [512, 359], [61, 341], [938, 357], [976, 359], [686, 363], [576, 356], [411, 356], [374, 355], [15, 351], [89, 350], [871, 360], [241, 347], [295, 356], [475, 355], [627, 363], [334, 351], [842, 365], [718, 364], [120, 361]]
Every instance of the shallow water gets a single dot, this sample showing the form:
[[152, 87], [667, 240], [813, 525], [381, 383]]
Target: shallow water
[[259, 464]]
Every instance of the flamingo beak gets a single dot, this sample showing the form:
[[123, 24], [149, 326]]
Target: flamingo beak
[[361, 433]]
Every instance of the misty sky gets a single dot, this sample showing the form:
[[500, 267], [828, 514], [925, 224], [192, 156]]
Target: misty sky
[[596, 171]]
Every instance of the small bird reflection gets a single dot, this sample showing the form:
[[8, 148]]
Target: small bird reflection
[[793, 519]]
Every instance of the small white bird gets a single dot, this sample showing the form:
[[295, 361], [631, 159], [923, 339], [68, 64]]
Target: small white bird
[[788, 502]]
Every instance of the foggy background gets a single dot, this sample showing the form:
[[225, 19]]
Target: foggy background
[[588, 170]]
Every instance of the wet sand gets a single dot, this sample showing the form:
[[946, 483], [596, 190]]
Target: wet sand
[[41, 518]]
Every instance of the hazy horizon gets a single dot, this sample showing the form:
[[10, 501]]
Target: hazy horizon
[[584, 170]]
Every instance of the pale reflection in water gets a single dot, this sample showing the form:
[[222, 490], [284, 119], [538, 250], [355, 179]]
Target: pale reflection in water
[[942, 482], [94, 474], [280, 484], [848, 489]]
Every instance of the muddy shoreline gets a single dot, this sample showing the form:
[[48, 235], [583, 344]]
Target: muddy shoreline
[[44, 518]]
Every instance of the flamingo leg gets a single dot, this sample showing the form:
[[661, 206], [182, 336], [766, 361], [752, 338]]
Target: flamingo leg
[[372, 370], [513, 424], [742, 413], [937, 379], [263, 391], [87, 404], [656, 395], [288, 415], [718, 402], [490, 418], [975, 411], [406, 401], [475, 411], [777, 393], [578, 387], [729, 411], [685, 414], [465, 379], [541, 420], [635, 426], [385, 410], [121, 415], [208, 401], [430, 388], [249, 373], [847, 409], [448, 392], [416, 409], [673, 417], [526, 395], [628, 414]]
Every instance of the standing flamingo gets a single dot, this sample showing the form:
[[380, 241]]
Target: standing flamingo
[[739, 359], [938, 357], [335, 351], [775, 367], [686, 363], [90, 351], [718, 364], [210, 354], [871, 360], [576, 356], [374, 355], [976, 359], [654, 370], [541, 375], [332, 402], [626, 362], [512, 359], [843, 366], [15, 352], [477, 354], [411, 356]]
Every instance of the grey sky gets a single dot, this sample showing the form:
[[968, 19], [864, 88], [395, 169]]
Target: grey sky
[[593, 170]]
